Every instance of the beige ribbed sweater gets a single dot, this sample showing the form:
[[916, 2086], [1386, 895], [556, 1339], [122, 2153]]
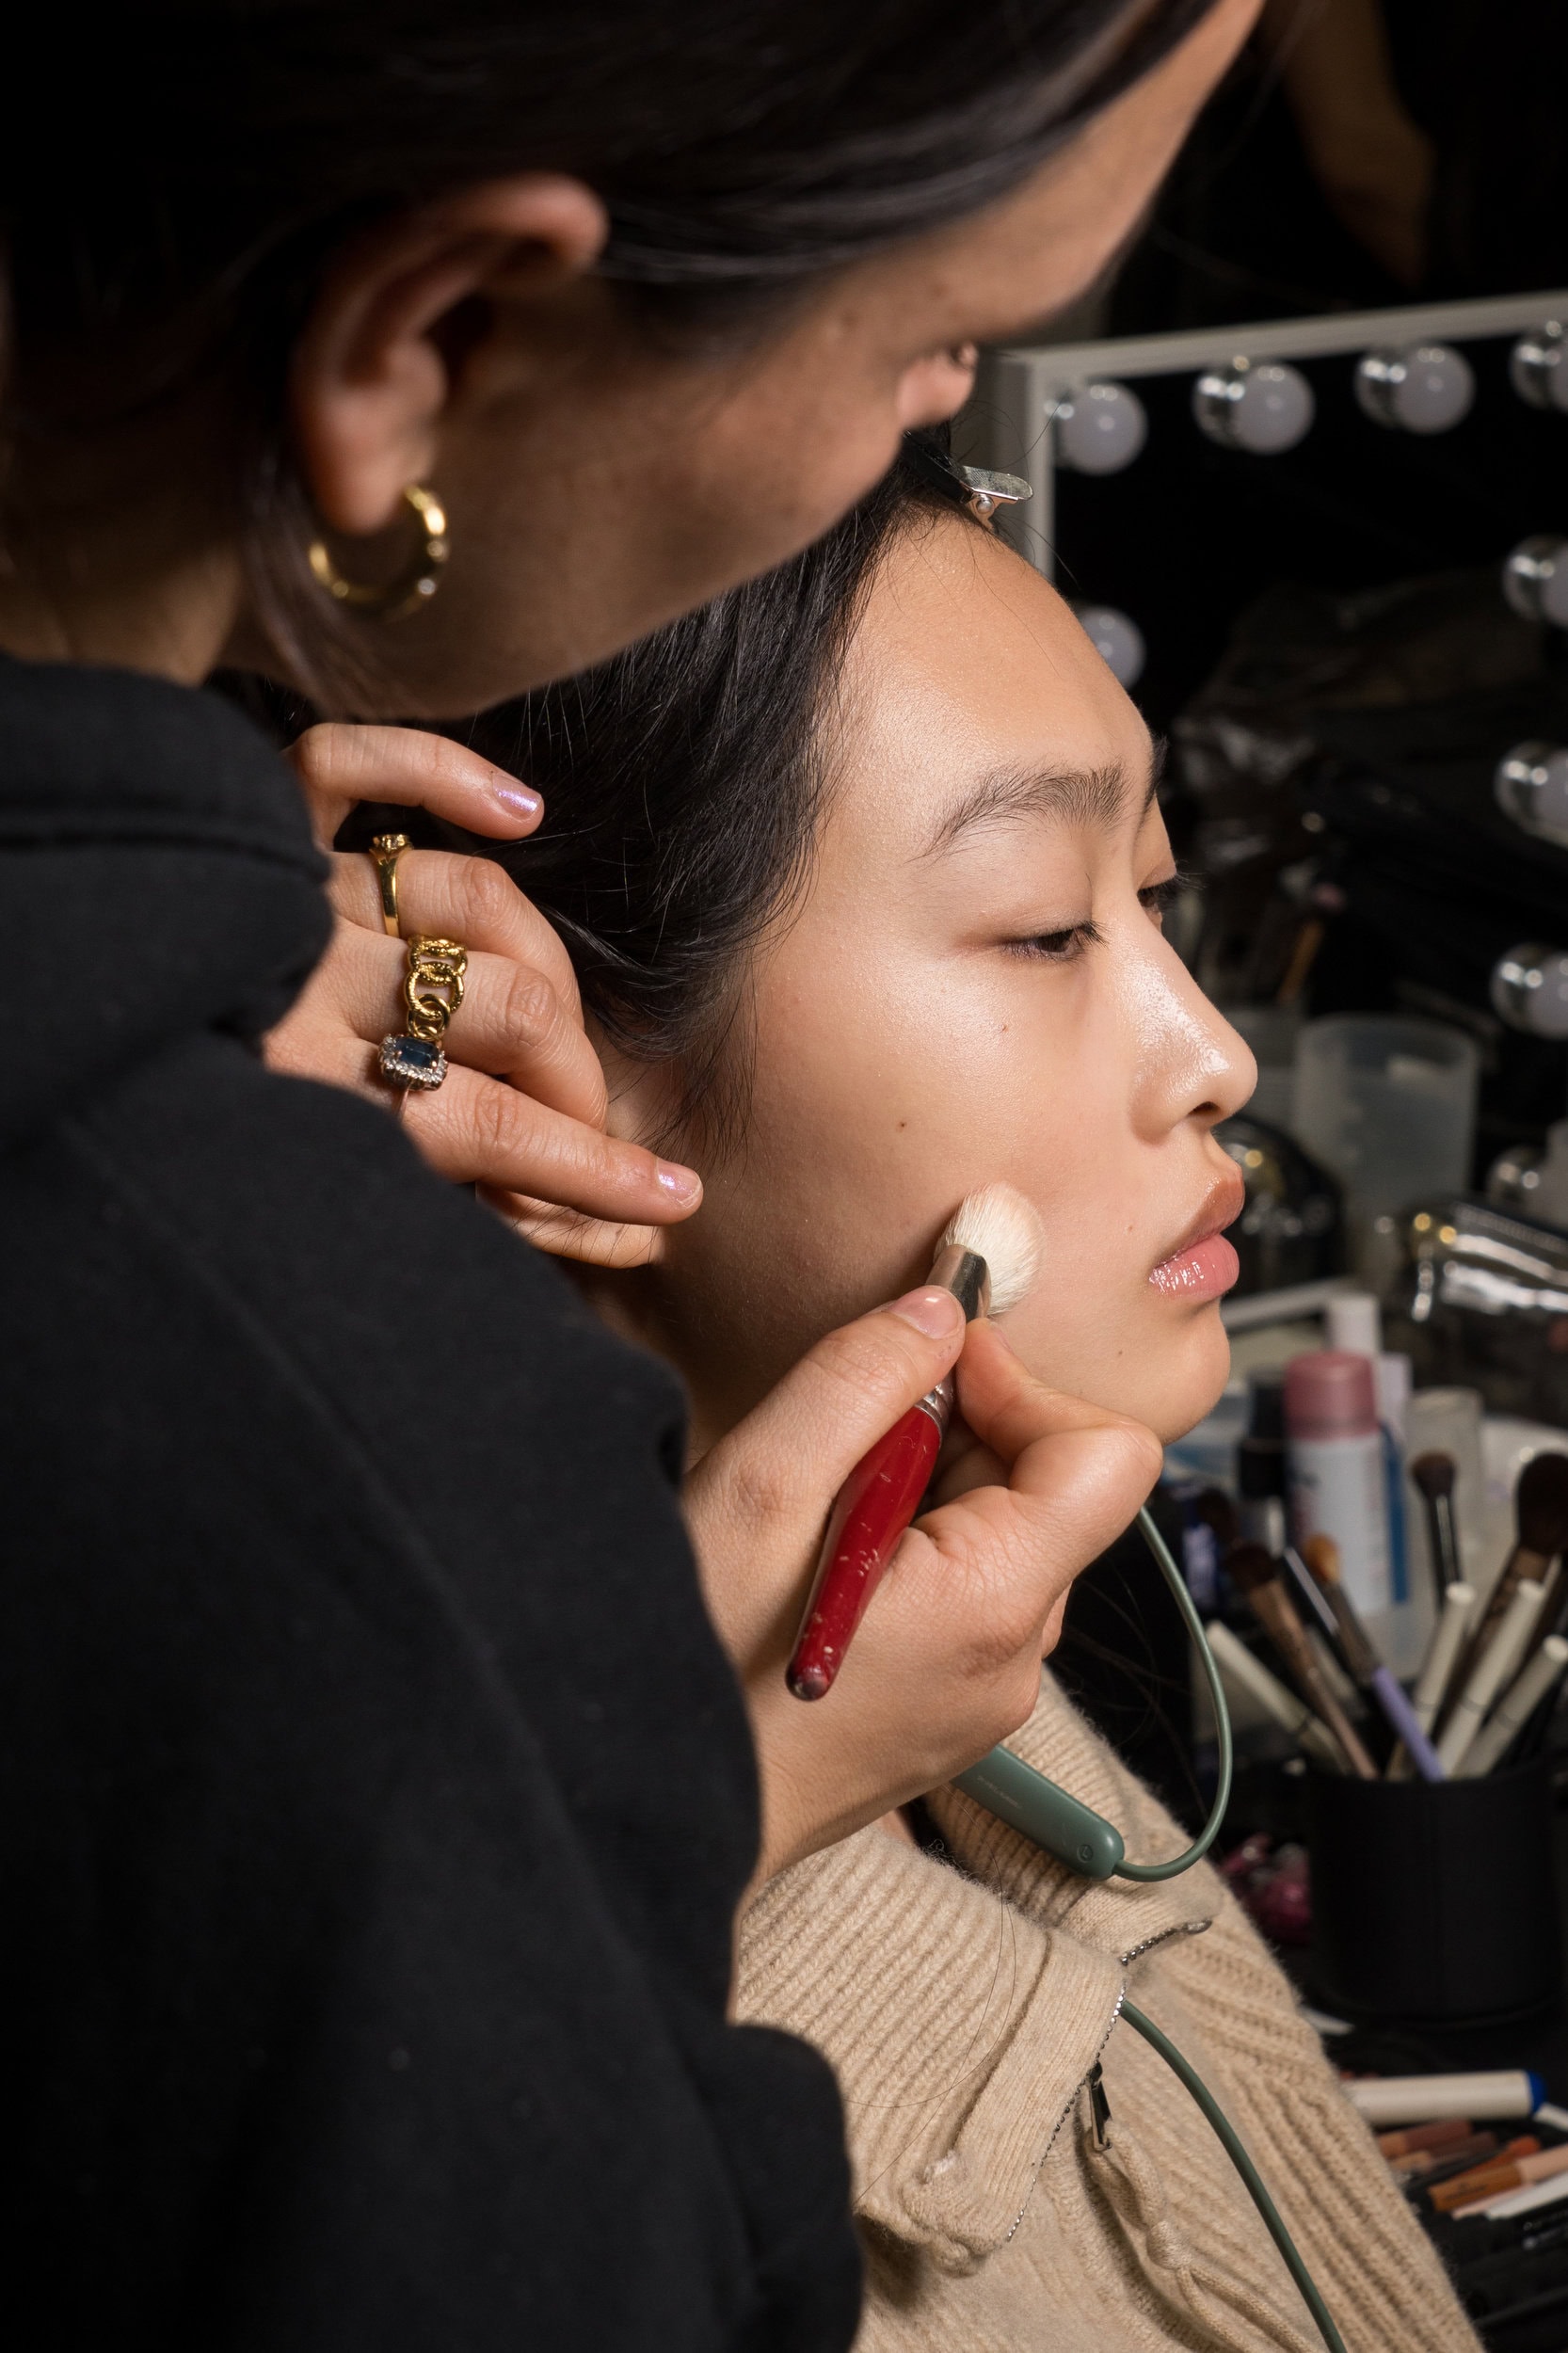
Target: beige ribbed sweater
[[963, 2010]]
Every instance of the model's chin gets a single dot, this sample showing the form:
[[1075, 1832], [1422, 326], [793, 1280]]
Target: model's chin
[[1198, 1374], [1162, 1370]]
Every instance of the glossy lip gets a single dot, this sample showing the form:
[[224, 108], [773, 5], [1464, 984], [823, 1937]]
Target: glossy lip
[[1204, 1265]]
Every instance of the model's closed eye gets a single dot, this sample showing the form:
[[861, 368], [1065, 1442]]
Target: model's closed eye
[[1058, 947], [1065, 945], [1158, 896]]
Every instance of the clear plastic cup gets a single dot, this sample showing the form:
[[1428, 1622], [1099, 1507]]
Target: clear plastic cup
[[1387, 1104]]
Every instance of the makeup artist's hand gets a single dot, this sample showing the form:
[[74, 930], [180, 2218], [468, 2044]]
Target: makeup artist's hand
[[947, 1659], [521, 1112]]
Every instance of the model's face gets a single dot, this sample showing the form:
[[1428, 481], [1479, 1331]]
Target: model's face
[[596, 487], [975, 988]]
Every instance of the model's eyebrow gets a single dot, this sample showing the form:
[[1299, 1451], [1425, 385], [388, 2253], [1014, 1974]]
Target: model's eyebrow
[[1018, 796]]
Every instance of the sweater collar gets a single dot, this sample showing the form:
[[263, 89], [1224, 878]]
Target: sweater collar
[[960, 2030], [963, 2008]]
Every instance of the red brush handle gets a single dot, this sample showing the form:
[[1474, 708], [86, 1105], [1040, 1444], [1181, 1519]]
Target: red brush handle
[[875, 1505]]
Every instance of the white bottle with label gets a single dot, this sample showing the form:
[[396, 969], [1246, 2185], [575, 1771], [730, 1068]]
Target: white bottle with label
[[1334, 1450], [1352, 1321]]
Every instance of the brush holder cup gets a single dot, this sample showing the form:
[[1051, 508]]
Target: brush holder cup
[[1435, 1902]]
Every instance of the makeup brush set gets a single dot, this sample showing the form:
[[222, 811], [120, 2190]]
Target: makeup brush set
[[1428, 1815], [1488, 1682]]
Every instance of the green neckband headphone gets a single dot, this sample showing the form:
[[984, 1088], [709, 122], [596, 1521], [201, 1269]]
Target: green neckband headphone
[[1094, 1848]]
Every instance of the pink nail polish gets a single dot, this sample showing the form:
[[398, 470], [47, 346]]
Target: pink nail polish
[[932, 1311], [681, 1184], [517, 800]]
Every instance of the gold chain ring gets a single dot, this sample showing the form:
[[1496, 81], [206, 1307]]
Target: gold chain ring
[[417, 1058], [433, 965]]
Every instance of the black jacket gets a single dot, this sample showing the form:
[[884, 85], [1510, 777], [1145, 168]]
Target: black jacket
[[374, 1797]]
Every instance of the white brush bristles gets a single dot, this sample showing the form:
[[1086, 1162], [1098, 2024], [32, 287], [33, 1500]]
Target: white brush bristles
[[1004, 1229]]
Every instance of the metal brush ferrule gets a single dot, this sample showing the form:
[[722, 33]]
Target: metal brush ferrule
[[969, 1278]]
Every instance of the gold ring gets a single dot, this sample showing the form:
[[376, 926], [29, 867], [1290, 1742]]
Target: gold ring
[[384, 851], [416, 1057]]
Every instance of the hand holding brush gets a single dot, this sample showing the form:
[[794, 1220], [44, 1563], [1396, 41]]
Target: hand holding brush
[[988, 1259], [1254, 1574]]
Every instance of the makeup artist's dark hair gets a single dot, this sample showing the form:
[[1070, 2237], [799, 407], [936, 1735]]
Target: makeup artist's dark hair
[[684, 784], [176, 174]]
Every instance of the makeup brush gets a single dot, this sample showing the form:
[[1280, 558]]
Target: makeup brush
[[1448, 1640], [1433, 1478], [1362, 1663], [1247, 1678], [1254, 1574], [1540, 1674], [1541, 1510], [988, 1259], [1497, 1665]]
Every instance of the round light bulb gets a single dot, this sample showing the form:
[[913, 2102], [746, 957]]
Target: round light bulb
[[1531, 787], [1529, 989], [1426, 389], [1117, 640], [1264, 408], [1538, 367], [1100, 428], [1535, 579]]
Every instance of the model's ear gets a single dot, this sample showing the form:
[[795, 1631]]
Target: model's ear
[[645, 1097], [643, 1101], [372, 375]]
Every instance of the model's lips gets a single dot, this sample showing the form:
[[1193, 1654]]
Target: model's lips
[[1204, 1265]]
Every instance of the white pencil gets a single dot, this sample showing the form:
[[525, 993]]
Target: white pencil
[[1448, 1639], [1514, 1709], [1459, 1603], [1548, 2193], [1491, 1670], [1246, 1677]]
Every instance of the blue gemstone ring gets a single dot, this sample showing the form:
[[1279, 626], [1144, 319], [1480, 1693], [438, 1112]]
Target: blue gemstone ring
[[411, 1062]]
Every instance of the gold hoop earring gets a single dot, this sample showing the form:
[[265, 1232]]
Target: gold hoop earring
[[414, 586]]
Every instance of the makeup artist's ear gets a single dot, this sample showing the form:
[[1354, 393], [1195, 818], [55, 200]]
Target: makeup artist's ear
[[374, 371]]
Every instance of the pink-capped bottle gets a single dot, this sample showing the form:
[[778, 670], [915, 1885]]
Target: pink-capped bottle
[[1334, 1454]]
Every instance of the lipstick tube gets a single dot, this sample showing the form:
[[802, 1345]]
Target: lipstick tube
[[877, 1501]]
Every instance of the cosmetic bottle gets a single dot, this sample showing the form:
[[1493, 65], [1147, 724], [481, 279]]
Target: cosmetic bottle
[[1355, 1323], [1334, 1446], [1262, 1484]]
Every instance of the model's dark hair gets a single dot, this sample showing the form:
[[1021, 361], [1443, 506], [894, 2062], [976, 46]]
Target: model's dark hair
[[177, 173], [684, 786]]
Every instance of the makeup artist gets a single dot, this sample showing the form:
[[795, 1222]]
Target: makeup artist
[[374, 1800]]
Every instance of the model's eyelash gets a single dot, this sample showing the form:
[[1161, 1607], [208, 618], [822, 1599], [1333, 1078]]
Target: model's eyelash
[[1057, 946], [1063, 947], [1161, 895]]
